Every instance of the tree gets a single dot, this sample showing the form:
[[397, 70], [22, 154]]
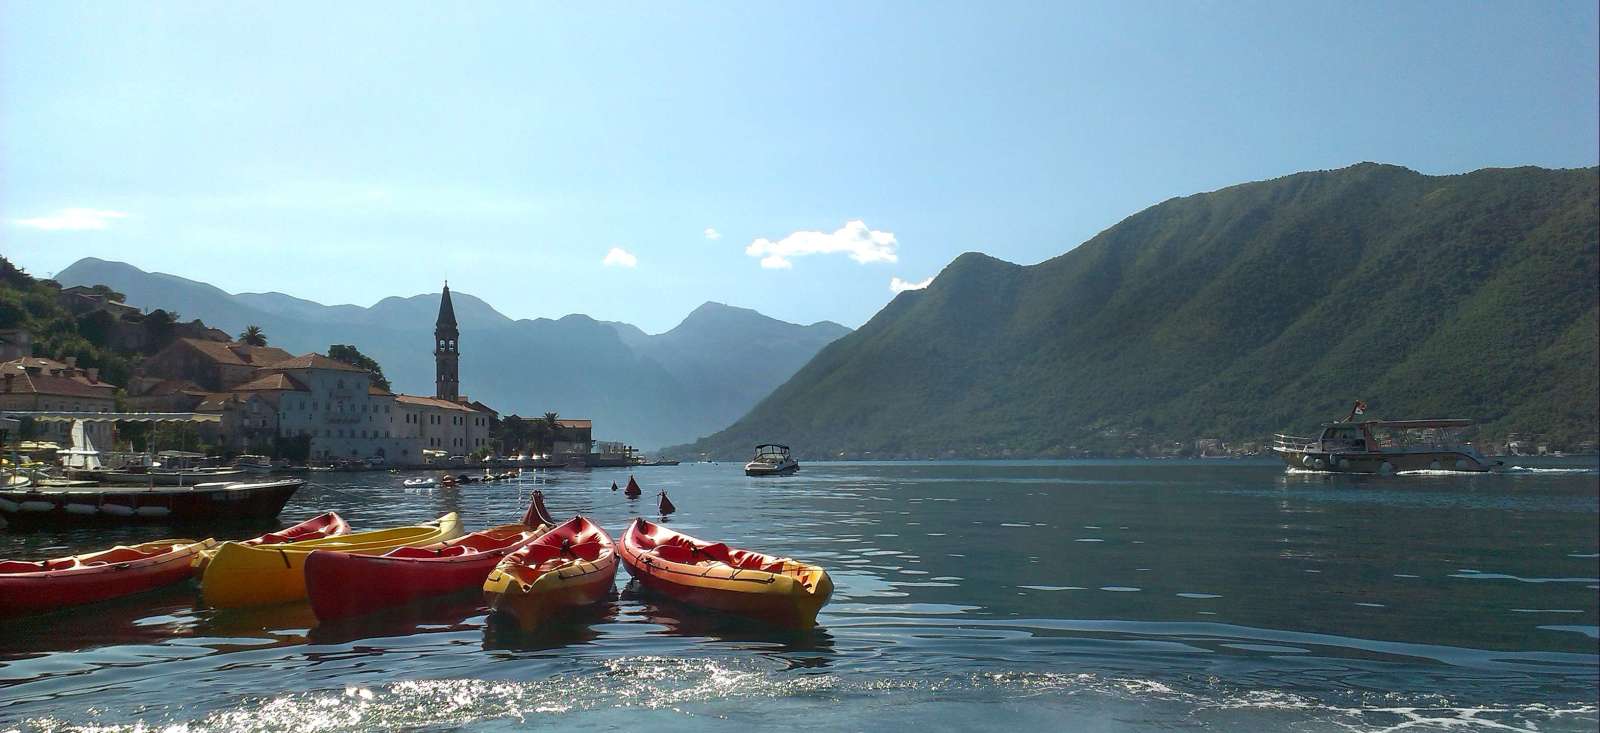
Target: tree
[[161, 327], [353, 356], [254, 336]]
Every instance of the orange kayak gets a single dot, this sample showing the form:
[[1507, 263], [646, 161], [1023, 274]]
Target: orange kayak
[[571, 566], [776, 590]]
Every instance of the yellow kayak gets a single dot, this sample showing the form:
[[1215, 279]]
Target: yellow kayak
[[244, 575]]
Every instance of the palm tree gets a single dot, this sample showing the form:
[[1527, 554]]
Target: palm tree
[[254, 336], [550, 426]]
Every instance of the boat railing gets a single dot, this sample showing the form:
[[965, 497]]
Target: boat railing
[[1294, 443]]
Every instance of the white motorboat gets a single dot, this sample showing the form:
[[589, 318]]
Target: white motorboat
[[771, 459]]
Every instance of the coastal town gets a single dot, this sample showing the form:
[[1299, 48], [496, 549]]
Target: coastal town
[[253, 399]]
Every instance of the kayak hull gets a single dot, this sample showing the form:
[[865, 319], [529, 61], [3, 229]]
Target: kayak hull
[[542, 583], [777, 591], [340, 585], [327, 524], [241, 575], [74, 581]]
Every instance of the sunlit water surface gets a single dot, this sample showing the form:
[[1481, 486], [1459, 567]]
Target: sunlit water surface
[[1131, 595]]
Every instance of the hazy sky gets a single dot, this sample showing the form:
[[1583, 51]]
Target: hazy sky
[[795, 158]]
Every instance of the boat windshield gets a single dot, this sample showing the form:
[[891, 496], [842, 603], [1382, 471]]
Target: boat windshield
[[1418, 437]]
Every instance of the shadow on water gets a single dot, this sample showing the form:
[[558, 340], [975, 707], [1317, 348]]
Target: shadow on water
[[574, 628], [678, 619], [447, 613], [145, 618]]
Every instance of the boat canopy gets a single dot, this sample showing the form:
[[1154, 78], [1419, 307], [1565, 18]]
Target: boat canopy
[[772, 445]]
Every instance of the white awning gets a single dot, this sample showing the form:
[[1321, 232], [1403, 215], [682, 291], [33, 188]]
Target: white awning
[[46, 416]]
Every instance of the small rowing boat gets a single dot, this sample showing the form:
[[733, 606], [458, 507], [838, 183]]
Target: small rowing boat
[[245, 575], [51, 585], [777, 590], [571, 566], [327, 524]]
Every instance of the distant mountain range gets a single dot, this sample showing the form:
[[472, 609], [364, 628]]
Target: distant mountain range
[[1263, 307], [648, 390]]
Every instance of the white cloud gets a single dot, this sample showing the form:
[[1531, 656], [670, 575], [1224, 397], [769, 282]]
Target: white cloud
[[854, 238], [73, 220], [896, 285], [713, 234], [619, 257]]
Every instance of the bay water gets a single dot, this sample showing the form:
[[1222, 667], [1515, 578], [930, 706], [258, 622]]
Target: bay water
[[1081, 595]]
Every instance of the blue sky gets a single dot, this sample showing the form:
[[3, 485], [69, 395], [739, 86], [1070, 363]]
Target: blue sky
[[344, 152]]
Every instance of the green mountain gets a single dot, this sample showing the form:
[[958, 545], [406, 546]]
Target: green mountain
[[1234, 314]]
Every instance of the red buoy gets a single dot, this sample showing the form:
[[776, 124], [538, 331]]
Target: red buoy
[[633, 491], [665, 505]]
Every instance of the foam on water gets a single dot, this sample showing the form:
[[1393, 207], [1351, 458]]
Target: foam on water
[[686, 693]]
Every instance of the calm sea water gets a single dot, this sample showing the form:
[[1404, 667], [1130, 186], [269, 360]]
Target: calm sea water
[[1055, 595]]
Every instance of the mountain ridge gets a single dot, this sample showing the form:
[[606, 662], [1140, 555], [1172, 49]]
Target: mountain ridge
[[1235, 313], [574, 365]]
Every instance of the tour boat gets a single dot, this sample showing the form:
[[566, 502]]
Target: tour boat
[[244, 575], [341, 585], [50, 585], [327, 524], [571, 566], [210, 502], [771, 459], [713, 575], [1383, 447]]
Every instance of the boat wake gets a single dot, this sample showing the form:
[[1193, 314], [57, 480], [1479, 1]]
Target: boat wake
[[1529, 469]]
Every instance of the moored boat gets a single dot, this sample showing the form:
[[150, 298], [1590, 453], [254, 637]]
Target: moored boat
[[227, 500], [50, 585], [327, 524], [341, 585], [571, 566], [1383, 447], [245, 575], [771, 459], [778, 590]]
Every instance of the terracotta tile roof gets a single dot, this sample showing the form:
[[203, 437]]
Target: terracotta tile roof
[[173, 386], [260, 355], [216, 351], [44, 384], [236, 354], [580, 424], [33, 362], [314, 361], [433, 402], [374, 389], [272, 382]]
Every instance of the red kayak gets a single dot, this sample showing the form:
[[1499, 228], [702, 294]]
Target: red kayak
[[571, 566], [340, 584], [327, 524], [50, 585]]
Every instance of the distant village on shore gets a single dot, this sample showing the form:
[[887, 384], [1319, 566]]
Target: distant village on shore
[[305, 408]]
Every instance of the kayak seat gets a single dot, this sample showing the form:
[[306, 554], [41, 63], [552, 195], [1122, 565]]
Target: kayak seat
[[23, 566], [427, 552]]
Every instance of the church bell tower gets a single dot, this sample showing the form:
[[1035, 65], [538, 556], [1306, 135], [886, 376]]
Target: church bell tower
[[446, 351]]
